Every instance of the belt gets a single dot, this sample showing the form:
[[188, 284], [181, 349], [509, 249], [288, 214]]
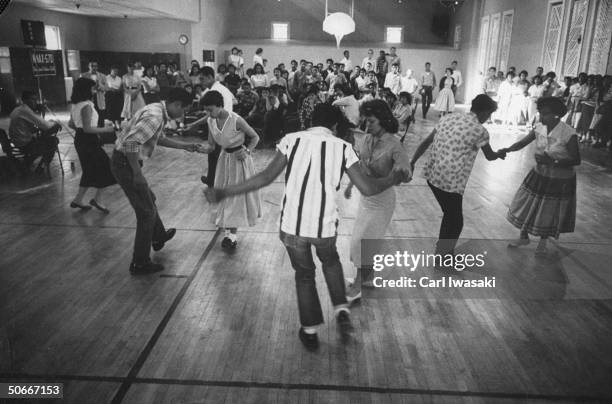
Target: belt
[[133, 88], [233, 149]]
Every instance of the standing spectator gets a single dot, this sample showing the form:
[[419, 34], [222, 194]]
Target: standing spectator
[[456, 77], [132, 90], [100, 98], [382, 67], [259, 78], [536, 91], [347, 103], [114, 96], [149, 86], [164, 80], [194, 77], [394, 58], [138, 69], [236, 61], [258, 58], [428, 82], [346, 61], [369, 59], [411, 85]]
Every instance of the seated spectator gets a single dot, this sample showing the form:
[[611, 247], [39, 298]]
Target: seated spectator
[[308, 104], [247, 99], [232, 79], [276, 104], [221, 73], [31, 133], [255, 117]]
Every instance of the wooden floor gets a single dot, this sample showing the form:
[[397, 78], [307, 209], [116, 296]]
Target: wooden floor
[[218, 328]]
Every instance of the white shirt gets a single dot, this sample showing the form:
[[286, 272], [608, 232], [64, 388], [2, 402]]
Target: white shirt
[[409, 85], [113, 83], [361, 83], [367, 60], [458, 79], [348, 65], [257, 59], [392, 81], [309, 207], [139, 72], [228, 97], [350, 107], [76, 114]]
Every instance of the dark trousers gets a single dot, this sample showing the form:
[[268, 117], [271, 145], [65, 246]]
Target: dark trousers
[[43, 145], [427, 99], [300, 254], [212, 165], [149, 226], [452, 219]]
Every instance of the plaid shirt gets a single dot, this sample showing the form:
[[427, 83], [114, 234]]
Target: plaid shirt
[[142, 132]]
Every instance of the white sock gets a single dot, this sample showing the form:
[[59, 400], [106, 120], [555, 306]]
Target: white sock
[[232, 236], [310, 330], [341, 307]]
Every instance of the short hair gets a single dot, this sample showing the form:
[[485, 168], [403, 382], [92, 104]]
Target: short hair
[[233, 49], [524, 72], [554, 104], [448, 69], [207, 71], [552, 75], [346, 90], [25, 94], [511, 74], [221, 66], [329, 60], [427, 63], [406, 95], [115, 67], [258, 51], [212, 98], [455, 62], [381, 111], [179, 94], [395, 64], [81, 91], [483, 103], [493, 68], [326, 115]]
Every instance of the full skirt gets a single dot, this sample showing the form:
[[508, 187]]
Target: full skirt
[[240, 210], [94, 162], [545, 205], [445, 101]]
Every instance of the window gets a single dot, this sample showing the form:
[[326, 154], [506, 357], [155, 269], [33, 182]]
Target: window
[[394, 34], [52, 36], [280, 31]]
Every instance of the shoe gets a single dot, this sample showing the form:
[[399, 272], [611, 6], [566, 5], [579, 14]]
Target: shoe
[[204, 179], [145, 269], [310, 341], [541, 251], [158, 245], [96, 205], [227, 243], [519, 242], [344, 323], [353, 293], [78, 205]]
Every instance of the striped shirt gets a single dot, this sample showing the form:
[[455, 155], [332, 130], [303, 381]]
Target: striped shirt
[[316, 161], [142, 132]]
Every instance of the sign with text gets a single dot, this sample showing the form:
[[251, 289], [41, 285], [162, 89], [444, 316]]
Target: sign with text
[[43, 63]]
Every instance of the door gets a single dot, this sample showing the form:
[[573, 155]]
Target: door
[[575, 36]]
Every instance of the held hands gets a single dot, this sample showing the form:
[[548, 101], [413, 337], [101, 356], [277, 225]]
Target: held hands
[[192, 147], [501, 153]]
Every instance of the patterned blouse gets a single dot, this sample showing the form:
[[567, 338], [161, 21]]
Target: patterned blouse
[[306, 110], [458, 138]]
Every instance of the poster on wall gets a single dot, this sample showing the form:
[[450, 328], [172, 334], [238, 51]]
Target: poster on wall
[[73, 60], [43, 63], [33, 33]]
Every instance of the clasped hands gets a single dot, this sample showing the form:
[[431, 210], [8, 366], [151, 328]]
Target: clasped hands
[[199, 148]]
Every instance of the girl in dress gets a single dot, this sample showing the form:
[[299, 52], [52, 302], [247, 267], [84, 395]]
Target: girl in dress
[[149, 86], [194, 75], [445, 103], [234, 60], [379, 151], [259, 79], [94, 160], [235, 165], [132, 98], [536, 91], [545, 204]]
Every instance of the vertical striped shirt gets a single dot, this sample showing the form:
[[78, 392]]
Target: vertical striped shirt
[[316, 161]]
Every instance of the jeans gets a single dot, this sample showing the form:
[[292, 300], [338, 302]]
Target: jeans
[[427, 99], [149, 226], [452, 220], [300, 254]]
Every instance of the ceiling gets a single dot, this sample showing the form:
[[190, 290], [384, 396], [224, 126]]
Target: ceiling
[[183, 9]]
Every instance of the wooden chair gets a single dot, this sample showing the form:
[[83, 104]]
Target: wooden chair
[[18, 158]]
